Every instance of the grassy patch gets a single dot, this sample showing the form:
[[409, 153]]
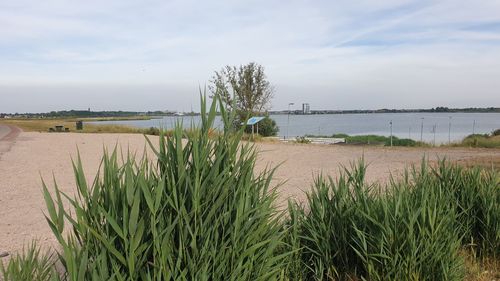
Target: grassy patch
[[43, 125], [30, 265], [373, 140], [486, 141]]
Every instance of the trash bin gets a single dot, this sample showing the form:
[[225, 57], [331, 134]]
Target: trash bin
[[79, 125]]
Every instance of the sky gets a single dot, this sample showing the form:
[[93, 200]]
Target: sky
[[157, 55]]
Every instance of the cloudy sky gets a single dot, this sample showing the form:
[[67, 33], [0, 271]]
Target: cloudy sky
[[343, 54]]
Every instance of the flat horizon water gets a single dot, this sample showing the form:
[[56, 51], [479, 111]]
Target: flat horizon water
[[429, 127]]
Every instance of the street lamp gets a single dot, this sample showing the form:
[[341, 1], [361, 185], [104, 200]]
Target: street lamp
[[434, 132], [391, 132], [288, 119], [422, 130], [449, 131]]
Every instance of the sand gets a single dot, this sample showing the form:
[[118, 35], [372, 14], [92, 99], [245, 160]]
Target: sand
[[32, 156]]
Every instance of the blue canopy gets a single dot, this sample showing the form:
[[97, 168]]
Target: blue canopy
[[254, 120]]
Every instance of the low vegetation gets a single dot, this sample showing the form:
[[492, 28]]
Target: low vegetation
[[481, 140], [416, 229], [265, 128], [200, 212], [32, 264], [43, 125], [373, 140]]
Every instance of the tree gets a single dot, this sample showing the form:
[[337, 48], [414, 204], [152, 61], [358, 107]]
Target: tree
[[244, 89]]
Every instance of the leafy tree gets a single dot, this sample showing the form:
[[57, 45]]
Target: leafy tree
[[244, 89]]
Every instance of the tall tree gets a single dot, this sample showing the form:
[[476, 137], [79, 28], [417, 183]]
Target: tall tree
[[244, 89]]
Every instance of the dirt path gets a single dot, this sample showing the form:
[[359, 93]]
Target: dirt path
[[44, 154], [8, 134]]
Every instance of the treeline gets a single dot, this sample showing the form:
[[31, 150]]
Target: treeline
[[87, 114], [385, 110]]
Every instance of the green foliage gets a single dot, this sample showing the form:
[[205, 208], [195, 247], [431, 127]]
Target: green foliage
[[496, 132], [481, 140], [152, 131], [413, 231], [267, 128], [340, 135], [199, 214], [302, 140], [373, 140], [246, 91], [32, 265]]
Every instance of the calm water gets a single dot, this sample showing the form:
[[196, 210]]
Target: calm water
[[405, 125]]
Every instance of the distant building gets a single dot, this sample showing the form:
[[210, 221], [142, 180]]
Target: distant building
[[306, 109]]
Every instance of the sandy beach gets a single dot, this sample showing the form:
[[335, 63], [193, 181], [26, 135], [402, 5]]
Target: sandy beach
[[29, 157]]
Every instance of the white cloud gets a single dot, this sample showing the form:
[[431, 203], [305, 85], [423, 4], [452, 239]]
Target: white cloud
[[318, 50]]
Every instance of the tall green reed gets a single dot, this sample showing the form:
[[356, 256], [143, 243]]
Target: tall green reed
[[412, 229], [32, 264], [200, 213]]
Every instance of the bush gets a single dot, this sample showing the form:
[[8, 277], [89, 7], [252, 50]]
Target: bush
[[200, 214], [152, 131], [481, 140], [340, 135], [266, 127], [496, 132], [302, 140]]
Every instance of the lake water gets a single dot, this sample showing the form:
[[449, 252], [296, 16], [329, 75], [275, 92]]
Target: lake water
[[404, 125]]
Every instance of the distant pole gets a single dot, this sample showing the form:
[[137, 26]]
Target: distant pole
[[422, 130], [449, 131], [391, 131], [409, 132], [474, 127], [434, 131], [288, 119]]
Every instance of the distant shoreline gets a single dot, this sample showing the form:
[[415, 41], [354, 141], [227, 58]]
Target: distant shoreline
[[147, 115], [365, 111]]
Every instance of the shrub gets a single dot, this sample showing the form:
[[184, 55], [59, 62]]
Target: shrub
[[267, 128], [302, 140], [199, 214], [152, 131], [340, 135], [496, 132], [481, 140]]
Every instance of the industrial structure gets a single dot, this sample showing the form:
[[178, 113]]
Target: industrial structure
[[306, 108]]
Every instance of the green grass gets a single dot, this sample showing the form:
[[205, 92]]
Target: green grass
[[485, 141], [373, 140], [30, 265]]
